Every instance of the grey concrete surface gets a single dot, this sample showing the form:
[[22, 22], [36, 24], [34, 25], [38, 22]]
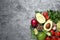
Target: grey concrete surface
[[15, 16]]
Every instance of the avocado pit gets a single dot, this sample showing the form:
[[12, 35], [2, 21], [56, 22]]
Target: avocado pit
[[48, 25]]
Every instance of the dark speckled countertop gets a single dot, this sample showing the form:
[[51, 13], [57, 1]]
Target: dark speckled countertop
[[15, 16]]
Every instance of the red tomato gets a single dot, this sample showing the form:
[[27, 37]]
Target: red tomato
[[45, 14], [58, 38], [57, 34], [34, 23], [47, 17], [52, 32], [53, 38], [48, 38]]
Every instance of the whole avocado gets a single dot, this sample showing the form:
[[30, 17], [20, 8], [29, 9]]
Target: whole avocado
[[41, 36]]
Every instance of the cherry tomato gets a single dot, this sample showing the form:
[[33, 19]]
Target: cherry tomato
[[45, 14], [47, 17], [48, 38], [52, 32], [34, 23], [53, 38], [58, 38], [57, 34]]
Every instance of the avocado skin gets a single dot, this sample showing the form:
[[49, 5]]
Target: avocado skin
[[41, 36]]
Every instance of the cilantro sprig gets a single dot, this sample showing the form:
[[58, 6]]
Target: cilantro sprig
[[54, 15]]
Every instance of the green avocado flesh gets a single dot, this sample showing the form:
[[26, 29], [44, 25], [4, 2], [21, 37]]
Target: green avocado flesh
[[41, 36]]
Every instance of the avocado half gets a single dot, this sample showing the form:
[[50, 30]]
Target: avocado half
[[49, 21], [40, 18]]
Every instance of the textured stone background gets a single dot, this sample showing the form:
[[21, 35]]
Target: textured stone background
[[15, 16]]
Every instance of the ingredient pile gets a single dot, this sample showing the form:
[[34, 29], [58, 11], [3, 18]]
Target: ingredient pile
[[46, 25]]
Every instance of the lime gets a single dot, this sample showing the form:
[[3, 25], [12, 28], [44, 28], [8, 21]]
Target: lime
[[41, 36]]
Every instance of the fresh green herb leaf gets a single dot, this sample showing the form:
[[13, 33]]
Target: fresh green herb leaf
[[38, 12], [54, 15], [33, 36]]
